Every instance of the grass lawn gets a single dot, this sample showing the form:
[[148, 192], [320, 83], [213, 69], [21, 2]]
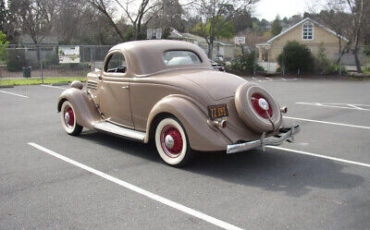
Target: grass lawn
[[36, 81]]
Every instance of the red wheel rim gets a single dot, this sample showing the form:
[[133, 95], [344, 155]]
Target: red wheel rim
[[258, 109], [69, 117], [171, 141]]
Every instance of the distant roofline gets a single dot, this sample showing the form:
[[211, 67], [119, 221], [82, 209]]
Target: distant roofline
[[299, 23]]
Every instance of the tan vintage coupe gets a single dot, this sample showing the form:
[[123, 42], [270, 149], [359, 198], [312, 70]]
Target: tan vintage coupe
[[167, 92]]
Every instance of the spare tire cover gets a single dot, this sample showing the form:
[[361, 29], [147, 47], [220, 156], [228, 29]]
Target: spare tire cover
[[247, 111]]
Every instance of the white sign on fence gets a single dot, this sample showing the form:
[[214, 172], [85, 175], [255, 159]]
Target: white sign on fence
[[69, 54], [239, 40]]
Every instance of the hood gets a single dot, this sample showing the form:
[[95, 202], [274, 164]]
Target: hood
[[218, 85]]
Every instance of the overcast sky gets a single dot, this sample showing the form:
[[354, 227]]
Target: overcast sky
[[269, 9]]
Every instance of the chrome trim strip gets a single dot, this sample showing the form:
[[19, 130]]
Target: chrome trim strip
[[264, 141], [120, 131]]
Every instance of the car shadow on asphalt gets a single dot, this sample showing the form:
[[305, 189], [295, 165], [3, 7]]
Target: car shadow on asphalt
[[272, 170]]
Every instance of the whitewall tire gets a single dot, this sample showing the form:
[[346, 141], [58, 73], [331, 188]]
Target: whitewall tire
[[171, 142], [68, 119]]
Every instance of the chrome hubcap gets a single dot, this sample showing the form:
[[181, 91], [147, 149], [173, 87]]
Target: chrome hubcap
[[169, 141], [263, 104], [67, 118]]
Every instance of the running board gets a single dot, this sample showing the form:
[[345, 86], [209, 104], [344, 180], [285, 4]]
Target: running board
[[118, 130]]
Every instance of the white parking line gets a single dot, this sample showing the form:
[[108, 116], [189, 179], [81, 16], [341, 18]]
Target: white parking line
[[52, 86], [14, 94], [134, 188], [354, 106], [321, 156], [329, 105], [329, 123]]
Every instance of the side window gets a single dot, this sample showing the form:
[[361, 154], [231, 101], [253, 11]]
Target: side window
[[180, 57], [116, 63]]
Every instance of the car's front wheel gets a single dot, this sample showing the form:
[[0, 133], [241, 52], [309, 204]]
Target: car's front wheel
[[171, 142], [68, 118]]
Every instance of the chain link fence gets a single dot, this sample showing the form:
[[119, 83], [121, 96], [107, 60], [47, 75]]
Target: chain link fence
[[50, 61], [59, 61]]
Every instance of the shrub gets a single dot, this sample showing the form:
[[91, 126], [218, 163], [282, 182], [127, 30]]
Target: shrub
[[259, 68], [3, 45], [15, 60], [324, 65], [51, 59], [296, 58], [367, 51], [366, 70], [247, 64]]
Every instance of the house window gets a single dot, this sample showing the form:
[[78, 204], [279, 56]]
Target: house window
[[307, 33]]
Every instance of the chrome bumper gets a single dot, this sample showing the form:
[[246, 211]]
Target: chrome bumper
[[285, 134]]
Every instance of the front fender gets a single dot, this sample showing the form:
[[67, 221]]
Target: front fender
[[200, 135], [84, 107]]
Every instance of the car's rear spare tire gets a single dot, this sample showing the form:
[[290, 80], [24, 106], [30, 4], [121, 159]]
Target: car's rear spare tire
[[256, 107]]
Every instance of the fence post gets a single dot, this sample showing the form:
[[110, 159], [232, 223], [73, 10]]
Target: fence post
[[41, 67], [283, 64]]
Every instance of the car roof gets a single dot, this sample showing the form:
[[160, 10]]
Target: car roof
[[146, 57]]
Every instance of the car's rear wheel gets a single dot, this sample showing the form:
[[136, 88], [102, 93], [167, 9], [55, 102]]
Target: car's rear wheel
[[172, 143], [68, 118]]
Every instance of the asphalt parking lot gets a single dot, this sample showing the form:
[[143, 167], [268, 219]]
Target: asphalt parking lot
[[50, 180]]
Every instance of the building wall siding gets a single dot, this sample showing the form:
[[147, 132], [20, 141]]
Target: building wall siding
[[321, 36]]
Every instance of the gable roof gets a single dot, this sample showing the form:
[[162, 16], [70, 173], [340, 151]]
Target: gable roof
[[301, 22]]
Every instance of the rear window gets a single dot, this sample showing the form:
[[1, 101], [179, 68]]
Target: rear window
[[180, 57]]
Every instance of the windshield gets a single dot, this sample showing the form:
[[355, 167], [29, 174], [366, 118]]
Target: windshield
[[180, 57]]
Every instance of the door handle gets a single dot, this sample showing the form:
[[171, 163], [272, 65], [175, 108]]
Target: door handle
[[125, 87]]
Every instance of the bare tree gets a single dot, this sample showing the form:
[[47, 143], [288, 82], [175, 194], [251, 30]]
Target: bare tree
[[357, 9], [347, 17], [33, 17], [338, 22], [104, 7], [69, 20], [138, 16], [168, 15]]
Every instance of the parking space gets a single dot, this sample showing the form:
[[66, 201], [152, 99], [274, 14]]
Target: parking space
[[94, 186]]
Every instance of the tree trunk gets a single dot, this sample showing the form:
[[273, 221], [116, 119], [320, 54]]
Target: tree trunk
[[357, 60], [355, 50], [357, 34], [210, 49], [340, 53], [115, 27]]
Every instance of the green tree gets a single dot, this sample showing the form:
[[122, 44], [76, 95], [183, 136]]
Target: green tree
[[3, 44], [242, 20], [216, 27], [276, 26], [296, 58], [3, 15], [218, 13]]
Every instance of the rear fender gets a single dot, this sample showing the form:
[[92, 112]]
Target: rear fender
[[84, 107], [200, 135]]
